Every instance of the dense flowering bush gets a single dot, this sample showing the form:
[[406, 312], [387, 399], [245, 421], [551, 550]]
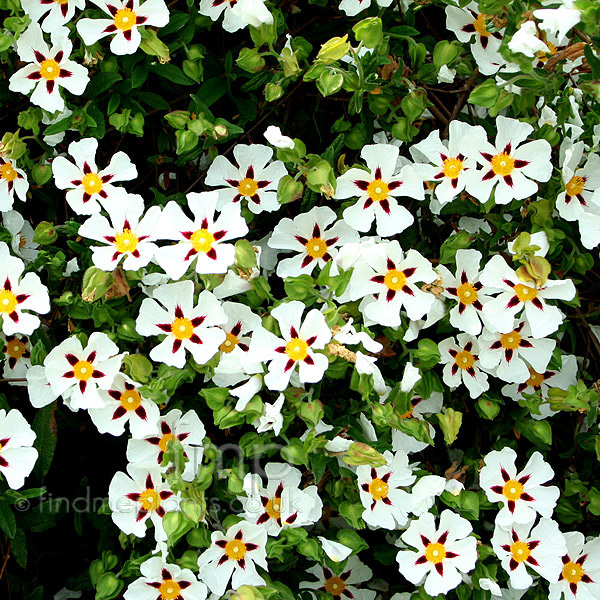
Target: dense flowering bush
[[299, 299]]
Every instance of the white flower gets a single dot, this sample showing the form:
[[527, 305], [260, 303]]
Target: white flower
[[419, 407], [509, 167], [12, 181], [38, 387], [51, 68], [446, 75], [76, 373], [282, 503], [462, 364], [386, 505], [237, 14], [376, 189], [86, 184], [233, 555], [541, 549], [335, 551], [128, 235], [17, 362], [188, 327], [424, 493], [19, 294], [126, 17], [539, 239], [271, 419], [17, 457], [57, 14], [522, 494], [187, 429], [557, 21], [254, 179], [526, 41], [123, 404], [169, 581], [139, 496], [313, 241], [353, 7], [442, 553], [515, 296], [580, 576], [276, 138], [200, 240], [22, 243]]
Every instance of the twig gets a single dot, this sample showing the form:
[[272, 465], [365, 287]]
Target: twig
[[6, 557]]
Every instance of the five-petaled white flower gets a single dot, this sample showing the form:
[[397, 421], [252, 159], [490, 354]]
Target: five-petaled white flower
[[377, 189], [522, 494], [126, 18], [12, 181], [233, 556], [254, 179], [188, 326], [17, 361], [55, 13], [238, 14], [18, 294], [128, 235], [386, 505], [51, 68], [441, 552], [17, 457], [200, 240], [85, 183]]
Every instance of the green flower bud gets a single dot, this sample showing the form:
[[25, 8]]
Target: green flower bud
[[403, 130], [450, 422], [151, 45], [289, 61], [136, 125], [485, 94], [45, 233], [186, 141], [355, 138], [330, 82], [95, 284], [108, 586], [199, 538], [289, 190], [535, 270], [194, 510], [247, 592], [311, 412], [30, 119], [235, 483], [363, 454], [138, 367], [172, 522], [265, 34], [178, 119], [194, 70], [41, 173], [245, 255], [320, 177], [200, 126], [487, 408], [12, 146], [414, 104], [110, 65], [379, 103], [273, 91], [250, 60], [294, 452], [196, 53], [334, 49], [445, 53], [126, 331], [188, 560], [96, 570], [220, 131], [369, 31]]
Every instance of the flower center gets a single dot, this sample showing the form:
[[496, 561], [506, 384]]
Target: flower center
[[296, 349], [169, 590], [150, 499], [378, 190], [8, 301], [164, 441], [535, 378], [378, 489], [467, 293], [273, 508], [182, 328], [15, 348], [573, 572], [511, 340], [83, 370], [335, 586], [247, 187], [503, 164], [125, 19], [395, 280], [7, 172], [130, 399], [49, 69], [525, 293], [92, 184], [126, 241], [512, 490], [575, 186], [464, 360], [235, 550], [229, 344], [202, 240], [479, 25], [452, 167], [520, 551], [435, 552], [61, 1], [316, 247]]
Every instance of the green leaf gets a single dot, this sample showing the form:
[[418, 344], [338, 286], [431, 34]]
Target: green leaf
[[18, 548], [455, 242], [172, 73], [44, 425], [100, 83], [212, 90], [58, 127], [538, 432], [8, 523]]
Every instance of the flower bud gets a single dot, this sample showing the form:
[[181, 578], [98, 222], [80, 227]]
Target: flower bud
[[220, 131], [45, 233], [96, 570], [245, 255], [403, 130], [445, 53], [247, 592], [200, 126], [311, 412], [137, 366], [289, 190], [96, 283], [289, 61], [12, 146], [178, 119], [195, 53], [319, 175], [194, 510], [485, 94], [108, 586], [363, 454], [250, 60], [188, 560], [273, 91], [41, 173], [369, 31], [194, 70], [186, 141], [151, 45], [330, 82], [334, 49]]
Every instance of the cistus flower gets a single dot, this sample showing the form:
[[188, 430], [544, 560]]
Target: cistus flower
[[17, 361], [443, 552], [522, 494], [187, 326], [238, 14], [233, 556], [17, 457], [19, 294], [54, 14], [126, 17], [12, 181], [462, 364], [51, 68], [87, 186]]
